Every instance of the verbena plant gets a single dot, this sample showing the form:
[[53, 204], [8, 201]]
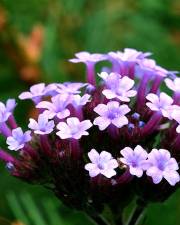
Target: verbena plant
[[100, 145]]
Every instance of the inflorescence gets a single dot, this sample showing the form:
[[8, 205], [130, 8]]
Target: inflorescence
[[100, 143]]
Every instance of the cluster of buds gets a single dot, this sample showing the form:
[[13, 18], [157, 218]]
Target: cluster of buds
[[100, 146]]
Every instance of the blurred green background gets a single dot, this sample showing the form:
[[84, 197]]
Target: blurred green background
[[36, 39]]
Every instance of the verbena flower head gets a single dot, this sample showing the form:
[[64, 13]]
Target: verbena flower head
[[122, 111]]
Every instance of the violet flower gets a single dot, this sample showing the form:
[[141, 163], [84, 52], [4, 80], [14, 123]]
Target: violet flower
[[174, 85], [160, 165], [37, 91], [42, 126], [78, 100], [129, 55], [18, 139], [70, 88], [118, 87], [6, 110], [134, 159], [73, 128], [89, 60], [112, 113], [102, 163], [176, 116], [160, 103], [57, 107]]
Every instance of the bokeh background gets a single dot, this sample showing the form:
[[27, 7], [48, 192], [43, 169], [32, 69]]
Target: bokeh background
[[37, 37]]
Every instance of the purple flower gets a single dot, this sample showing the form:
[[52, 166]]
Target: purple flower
[[174, 85], [149, 65], [102, 163], [78, 100], [18, 139], [37, 91], [73, 128], [176, 116], [42, 126], [118, 87], [129, 55], [57, 107], [6, 110], [134, 159], [162, 103], [160, 164], [112, 113], [70, 88], [86, 57]]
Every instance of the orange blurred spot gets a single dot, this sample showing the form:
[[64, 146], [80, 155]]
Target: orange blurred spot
[[17, 223], [2, 18], [32, 45], [30, 73]]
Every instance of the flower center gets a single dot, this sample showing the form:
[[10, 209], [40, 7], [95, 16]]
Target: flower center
[[113, 114], [161, 165]]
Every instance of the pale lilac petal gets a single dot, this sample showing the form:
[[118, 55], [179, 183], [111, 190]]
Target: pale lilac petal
[[153, 98], [155, 173], [131, 93], [152, 106], [112, 164], [178, 129], [25, 95], [109, 94], [120, 122], [102, 122], [45, 105], [172, 177], [127, 152], [165, 99], [126, 83], [172, 164], [10, 105], [63, 114], [85, 125], [105, 156], [101, 109], [37, 88], [140, 153], [93, 156], [108, 173], [33, 124], [136, 171]]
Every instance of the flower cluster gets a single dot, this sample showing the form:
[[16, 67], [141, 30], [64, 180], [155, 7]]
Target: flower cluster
[[96, 144]]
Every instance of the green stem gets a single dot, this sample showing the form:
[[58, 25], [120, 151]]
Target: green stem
[[137, 214], [98, 219]]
